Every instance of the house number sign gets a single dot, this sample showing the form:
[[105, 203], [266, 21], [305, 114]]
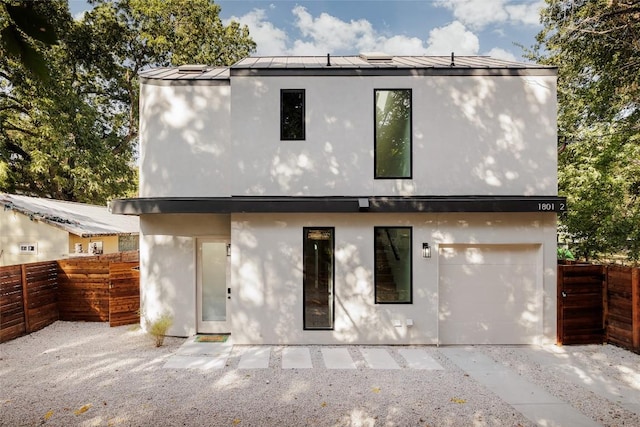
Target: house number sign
[[551, 207]]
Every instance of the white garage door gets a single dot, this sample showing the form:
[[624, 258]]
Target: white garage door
[[489, 294]]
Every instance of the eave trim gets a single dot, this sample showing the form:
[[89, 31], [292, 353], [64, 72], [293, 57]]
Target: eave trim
[[377, 204]]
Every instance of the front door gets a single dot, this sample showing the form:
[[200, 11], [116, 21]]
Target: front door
[[212, 286]]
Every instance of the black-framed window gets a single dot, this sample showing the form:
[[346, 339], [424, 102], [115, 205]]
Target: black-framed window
[[318, 278], [392, 133], [292, 114], [393, 265]]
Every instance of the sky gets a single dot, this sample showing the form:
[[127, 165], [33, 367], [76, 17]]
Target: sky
[[397, 27]]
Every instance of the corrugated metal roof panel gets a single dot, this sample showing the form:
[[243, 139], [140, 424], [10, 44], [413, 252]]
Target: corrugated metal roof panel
[[80, 219]]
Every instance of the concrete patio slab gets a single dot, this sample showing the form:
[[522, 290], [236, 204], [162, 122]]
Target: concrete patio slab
[[195, 362], [255, 358], [530, 400], [419, 359], [379, 358], [337, 358], [200, 355], [296, 358]]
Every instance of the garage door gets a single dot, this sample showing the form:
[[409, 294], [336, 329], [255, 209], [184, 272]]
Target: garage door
[[489, 294]]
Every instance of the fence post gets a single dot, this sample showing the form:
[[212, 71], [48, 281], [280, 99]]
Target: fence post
[[25, 298], [635, 308]]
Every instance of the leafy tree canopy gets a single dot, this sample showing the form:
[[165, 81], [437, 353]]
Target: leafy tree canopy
[[596, 46], [68, 99]]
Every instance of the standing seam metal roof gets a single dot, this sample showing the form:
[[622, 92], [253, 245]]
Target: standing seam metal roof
[[344, 63]]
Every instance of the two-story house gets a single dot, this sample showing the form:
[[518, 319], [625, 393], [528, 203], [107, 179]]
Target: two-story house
[[366, 199]]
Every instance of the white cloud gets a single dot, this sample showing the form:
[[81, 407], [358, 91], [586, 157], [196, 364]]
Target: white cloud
[[480, 13], [329, 34], [528, 14], [499, 53], [269, 39], [452, 38], [322, 34]]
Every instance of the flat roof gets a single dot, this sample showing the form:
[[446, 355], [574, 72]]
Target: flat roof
[[364, 64], [337, 204]]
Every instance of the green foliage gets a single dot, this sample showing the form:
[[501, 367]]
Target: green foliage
[[565, 254], [158, 328], [594, 45], [24, 24], [74, 134]]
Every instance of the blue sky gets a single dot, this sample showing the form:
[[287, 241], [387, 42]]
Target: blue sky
[[398, 27]]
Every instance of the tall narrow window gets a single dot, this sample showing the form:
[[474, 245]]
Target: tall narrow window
[[393, 265], [393, 133], [292, 114], [318, 272]]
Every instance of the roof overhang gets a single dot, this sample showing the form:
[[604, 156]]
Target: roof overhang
[[265, 204]]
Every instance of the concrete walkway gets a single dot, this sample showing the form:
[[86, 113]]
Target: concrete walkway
[[529, 399], [532, 401]]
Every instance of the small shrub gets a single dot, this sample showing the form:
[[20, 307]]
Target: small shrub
[[158, 328]]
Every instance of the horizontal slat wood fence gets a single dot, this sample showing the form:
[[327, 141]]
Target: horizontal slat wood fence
[[124, 293], [35, 295], [580, 304], [599, 304], [84, 290], [28, 298], [623, 307]]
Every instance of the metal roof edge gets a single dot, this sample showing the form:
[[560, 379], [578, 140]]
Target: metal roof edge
[[338, 204]]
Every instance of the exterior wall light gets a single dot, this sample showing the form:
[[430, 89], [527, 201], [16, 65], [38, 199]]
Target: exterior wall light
[[426, 250]]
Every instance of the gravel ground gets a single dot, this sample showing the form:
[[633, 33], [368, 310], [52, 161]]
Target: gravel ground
[[87, 374]]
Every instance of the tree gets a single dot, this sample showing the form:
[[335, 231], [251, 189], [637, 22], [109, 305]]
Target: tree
[[594, 44], [73, 134]]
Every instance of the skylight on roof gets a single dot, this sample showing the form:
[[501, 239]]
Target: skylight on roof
[[192, 68], [376, 57]]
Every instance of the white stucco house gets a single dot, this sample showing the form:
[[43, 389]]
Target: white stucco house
[[367, 199], [36, 229]]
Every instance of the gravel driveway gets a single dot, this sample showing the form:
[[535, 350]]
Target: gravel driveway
[[87, 374]]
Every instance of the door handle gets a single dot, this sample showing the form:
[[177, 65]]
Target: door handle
[[564, 294], [228, 293]]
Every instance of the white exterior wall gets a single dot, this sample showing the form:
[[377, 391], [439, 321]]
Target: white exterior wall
[[267, 274], [471, 135], [16, 228], [184, 140], [168, 265]]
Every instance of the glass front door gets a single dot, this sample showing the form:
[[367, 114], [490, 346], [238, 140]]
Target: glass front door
[[318, 278], [212, 288]]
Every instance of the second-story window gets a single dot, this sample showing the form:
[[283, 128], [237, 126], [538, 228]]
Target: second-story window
[[392, 133], [292, 114]]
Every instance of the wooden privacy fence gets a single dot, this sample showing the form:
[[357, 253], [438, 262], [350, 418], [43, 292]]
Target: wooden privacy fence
[[622, 308], [28, 298], [598, 304], [93, 289]]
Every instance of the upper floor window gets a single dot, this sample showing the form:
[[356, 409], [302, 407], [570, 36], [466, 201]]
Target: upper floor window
[[292, 114], [393, 265], [392, 133]]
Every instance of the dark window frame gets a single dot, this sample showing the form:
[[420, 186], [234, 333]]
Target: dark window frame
[[333, 279], [375, 134], [285, 134], [375, 265]]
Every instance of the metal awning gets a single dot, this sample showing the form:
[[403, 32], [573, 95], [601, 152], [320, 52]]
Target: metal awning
[[337, 204]]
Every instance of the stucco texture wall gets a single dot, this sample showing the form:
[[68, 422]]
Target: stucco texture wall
[[168, 265], [267, 275], [16, 228]]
